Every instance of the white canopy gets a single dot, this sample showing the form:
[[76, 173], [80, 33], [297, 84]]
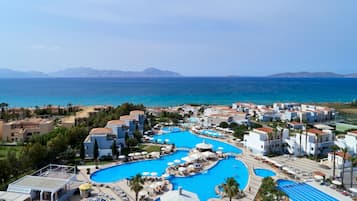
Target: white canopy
[[336, 182], [353, 190], [318, 177], [145, 173], [187, 159], [177, 196], [208, 154], [182, 169], [204, 146]]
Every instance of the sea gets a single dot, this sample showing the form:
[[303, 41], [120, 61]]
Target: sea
[[174, 91]]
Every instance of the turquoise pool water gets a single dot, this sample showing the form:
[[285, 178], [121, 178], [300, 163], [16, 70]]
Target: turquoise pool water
[[203, 184], [119, 172], [264, 172], [211, 133], [187, 139], [302, 191], [171, 129]]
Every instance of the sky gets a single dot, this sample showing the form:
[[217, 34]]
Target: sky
[[194, 38]]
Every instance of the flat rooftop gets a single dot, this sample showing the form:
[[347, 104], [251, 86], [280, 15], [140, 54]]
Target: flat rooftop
[[11, 196], [40, 183]]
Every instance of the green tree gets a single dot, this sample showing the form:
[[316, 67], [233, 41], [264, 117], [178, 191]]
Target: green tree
[[131, 142], [137, 135], [114, 149], [223, 124], [353, 160], [230, 187], [334, 149], [95, 150], [268, 190], [82, 151], [136, 184]]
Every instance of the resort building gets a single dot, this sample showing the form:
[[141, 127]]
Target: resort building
[[53, 182], [264, 141], [349, 141], [21, 130], [114, 130], [104, 138], [339, 159], [310, 142]]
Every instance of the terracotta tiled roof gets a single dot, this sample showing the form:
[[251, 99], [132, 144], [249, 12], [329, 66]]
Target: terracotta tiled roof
[[115, 122], [266, 129], [340, 153], [100, 131], [353, 132], [315, 131], [136, 112], [127, 117]]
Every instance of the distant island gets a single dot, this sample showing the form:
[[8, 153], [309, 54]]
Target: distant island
[[87, 72], [82, 72], [314, 75]]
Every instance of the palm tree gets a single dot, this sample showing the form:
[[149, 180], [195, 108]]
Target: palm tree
[[344, 150], [317, 149], [300, 142], [230, 187], [334, 149], [353, 163], [136, 184], [306, 141]]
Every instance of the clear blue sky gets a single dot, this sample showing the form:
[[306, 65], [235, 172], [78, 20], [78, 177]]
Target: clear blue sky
[[201, 37]]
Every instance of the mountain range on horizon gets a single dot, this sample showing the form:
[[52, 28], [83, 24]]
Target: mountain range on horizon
[[83, 72], [87, 72]]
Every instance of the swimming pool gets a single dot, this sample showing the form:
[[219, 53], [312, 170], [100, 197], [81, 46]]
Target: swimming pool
[[170, 129], [186, 139], [127, 170], [211, 133], [264, 172], [204, 184], [302, 191]]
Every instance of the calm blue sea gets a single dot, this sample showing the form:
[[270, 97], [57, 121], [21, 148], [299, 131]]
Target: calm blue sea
[[173, 91]]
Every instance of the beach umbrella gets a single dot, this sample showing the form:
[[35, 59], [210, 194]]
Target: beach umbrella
[[154, 174], [177, 161], [145, 173], [336, 182], [144, 152], [167, 140], [170, 163], [121, 157], [165, 176], [137, 154], [131, 154], [318, 177], [181, 169]]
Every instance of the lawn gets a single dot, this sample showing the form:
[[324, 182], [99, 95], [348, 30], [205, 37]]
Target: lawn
[[5, 149], [150, 148]]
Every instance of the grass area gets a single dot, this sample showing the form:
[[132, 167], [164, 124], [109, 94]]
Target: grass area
[[4, 149], [150, 148]]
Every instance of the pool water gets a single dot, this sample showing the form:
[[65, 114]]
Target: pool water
[[264, 172], [171, 129], [204, 184], [211, 133], [127, 170], [186, 139], [302, 191]]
